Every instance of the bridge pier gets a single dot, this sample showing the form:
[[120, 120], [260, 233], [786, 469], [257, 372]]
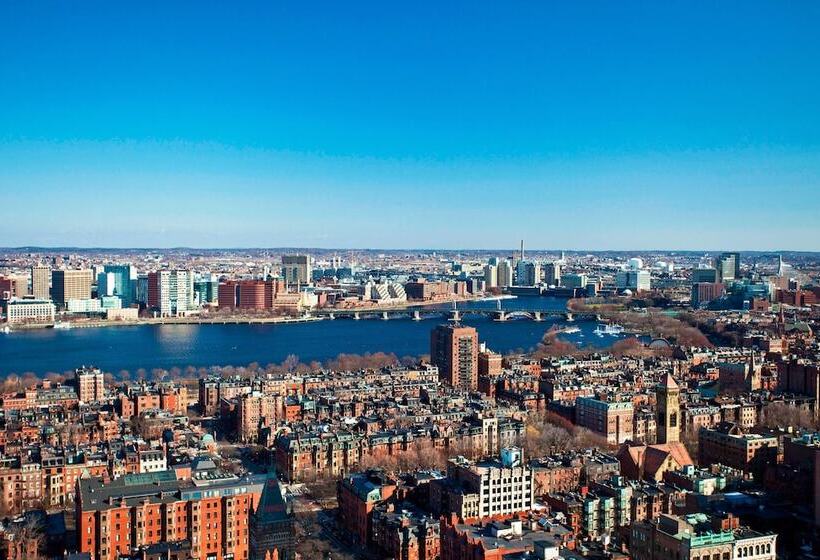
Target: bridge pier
[[356, 315], [455, 315], [385, 316], [416, 316], [500, 315], [570, 318], [537, 315], [332, 316]]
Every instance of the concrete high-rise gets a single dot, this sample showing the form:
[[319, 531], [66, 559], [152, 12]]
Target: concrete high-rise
[[491, 275], [296, 269], [70, 284], [527, 273], [487, 488], [552, 273], [171, 292], [635, 280], [505, 273], [728, 267], [454, 349], [40, 282]]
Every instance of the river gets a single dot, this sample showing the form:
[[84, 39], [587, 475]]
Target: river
[[166, 346]]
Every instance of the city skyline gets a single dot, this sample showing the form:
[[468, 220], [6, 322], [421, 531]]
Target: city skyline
[[540, 251], [601, 127], [409, 281]]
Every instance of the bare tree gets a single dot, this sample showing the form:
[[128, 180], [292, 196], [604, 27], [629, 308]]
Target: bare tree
[[782, 415], [28, 538]]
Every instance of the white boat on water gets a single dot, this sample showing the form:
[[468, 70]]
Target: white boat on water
[[62, 325], [611, 330], [572, 330]]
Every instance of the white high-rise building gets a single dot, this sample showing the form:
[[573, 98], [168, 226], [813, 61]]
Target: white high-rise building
[[171, 292], [29, 311], [635, 280], [491, 275], [106, 284]]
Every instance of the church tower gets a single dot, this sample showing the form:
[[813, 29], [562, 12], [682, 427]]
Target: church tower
[[668, 397]]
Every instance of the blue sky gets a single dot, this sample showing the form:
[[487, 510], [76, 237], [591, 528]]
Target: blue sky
[[599, 125]]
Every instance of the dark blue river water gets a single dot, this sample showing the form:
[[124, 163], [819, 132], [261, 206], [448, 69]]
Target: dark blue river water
[[166, 346]]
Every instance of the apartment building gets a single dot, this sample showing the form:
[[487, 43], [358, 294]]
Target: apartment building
[[612, 420], [487, 488], [213, 511]]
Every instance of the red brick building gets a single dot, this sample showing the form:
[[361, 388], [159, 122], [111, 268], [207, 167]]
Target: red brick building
[[454, 349], [489, 363], [213, 511], [358, 495], [249, 294]]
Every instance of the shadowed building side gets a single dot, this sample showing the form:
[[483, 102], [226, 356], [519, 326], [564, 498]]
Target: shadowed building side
[[272, 525]]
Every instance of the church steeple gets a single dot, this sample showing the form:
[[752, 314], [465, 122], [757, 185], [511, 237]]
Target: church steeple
[[668, 401]]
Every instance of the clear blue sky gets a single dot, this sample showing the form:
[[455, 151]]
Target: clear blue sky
[[600, 125]]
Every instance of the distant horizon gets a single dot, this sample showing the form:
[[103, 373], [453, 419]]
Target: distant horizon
[[38, 248]]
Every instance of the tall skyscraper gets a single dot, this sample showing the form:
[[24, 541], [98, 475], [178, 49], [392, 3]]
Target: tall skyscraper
[[552, 273], [728, 267], [119, 280], [527, 273], [491, 275], [171, 292], [668, 397], [40, 282], [635, 280], [505, 273], [296, 269], [70, 284], [206, 288], [454, 349]]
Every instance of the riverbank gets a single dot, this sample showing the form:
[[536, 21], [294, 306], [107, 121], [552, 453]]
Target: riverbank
[[192, 320], [239, 319], [166, 346]]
